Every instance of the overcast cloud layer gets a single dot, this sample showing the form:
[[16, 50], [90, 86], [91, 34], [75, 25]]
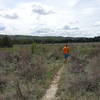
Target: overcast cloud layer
[[50, 17]]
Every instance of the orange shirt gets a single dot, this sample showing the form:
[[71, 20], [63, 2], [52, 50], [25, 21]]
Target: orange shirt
[[66, 50]]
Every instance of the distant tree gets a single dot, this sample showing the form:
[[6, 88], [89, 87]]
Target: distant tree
[[33, 47], [6, 42]]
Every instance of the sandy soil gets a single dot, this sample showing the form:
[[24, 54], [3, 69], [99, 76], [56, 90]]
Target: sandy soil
[[51, 92]]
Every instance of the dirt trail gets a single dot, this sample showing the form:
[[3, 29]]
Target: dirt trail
[[51, 92]]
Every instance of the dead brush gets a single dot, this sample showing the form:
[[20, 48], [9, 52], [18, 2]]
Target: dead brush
[[38, 67], [88, 77], [55, 54], [93, 71], [29, 67], [94, 52], [83, 85], [77, 65], [19, 94], [3, 83]]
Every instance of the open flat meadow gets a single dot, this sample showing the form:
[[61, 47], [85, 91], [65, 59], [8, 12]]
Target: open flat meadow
[[26, 71]]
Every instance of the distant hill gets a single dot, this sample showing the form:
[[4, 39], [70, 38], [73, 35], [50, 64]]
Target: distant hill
[[21, 39]]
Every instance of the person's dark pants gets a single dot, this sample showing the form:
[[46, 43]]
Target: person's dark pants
[[66, 57]]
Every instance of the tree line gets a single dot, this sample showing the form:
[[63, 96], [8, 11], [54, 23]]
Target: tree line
[[9, 41]]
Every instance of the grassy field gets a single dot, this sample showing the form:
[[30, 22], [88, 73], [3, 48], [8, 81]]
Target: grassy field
[[25, 75], [81, 77]]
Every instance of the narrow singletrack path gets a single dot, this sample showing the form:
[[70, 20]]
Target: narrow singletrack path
[[51, 92]]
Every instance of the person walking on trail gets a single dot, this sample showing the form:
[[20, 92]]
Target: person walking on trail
[[66, 52]]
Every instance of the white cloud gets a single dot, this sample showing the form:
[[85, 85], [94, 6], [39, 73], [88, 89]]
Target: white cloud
[[2, 27], [50, 17], [40, 10], [97, 24], [88, 11], [72, 3], [10, 16], [67, 27]]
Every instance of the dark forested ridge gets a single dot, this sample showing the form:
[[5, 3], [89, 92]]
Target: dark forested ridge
[[20, 39]]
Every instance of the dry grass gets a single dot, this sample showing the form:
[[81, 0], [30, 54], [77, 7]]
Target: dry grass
[[25, 75], [81, 78]]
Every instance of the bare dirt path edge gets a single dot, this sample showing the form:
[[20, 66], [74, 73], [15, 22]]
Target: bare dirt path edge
[[51, 92]]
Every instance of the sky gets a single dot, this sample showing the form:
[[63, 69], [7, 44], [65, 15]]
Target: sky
[[68, 18]]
